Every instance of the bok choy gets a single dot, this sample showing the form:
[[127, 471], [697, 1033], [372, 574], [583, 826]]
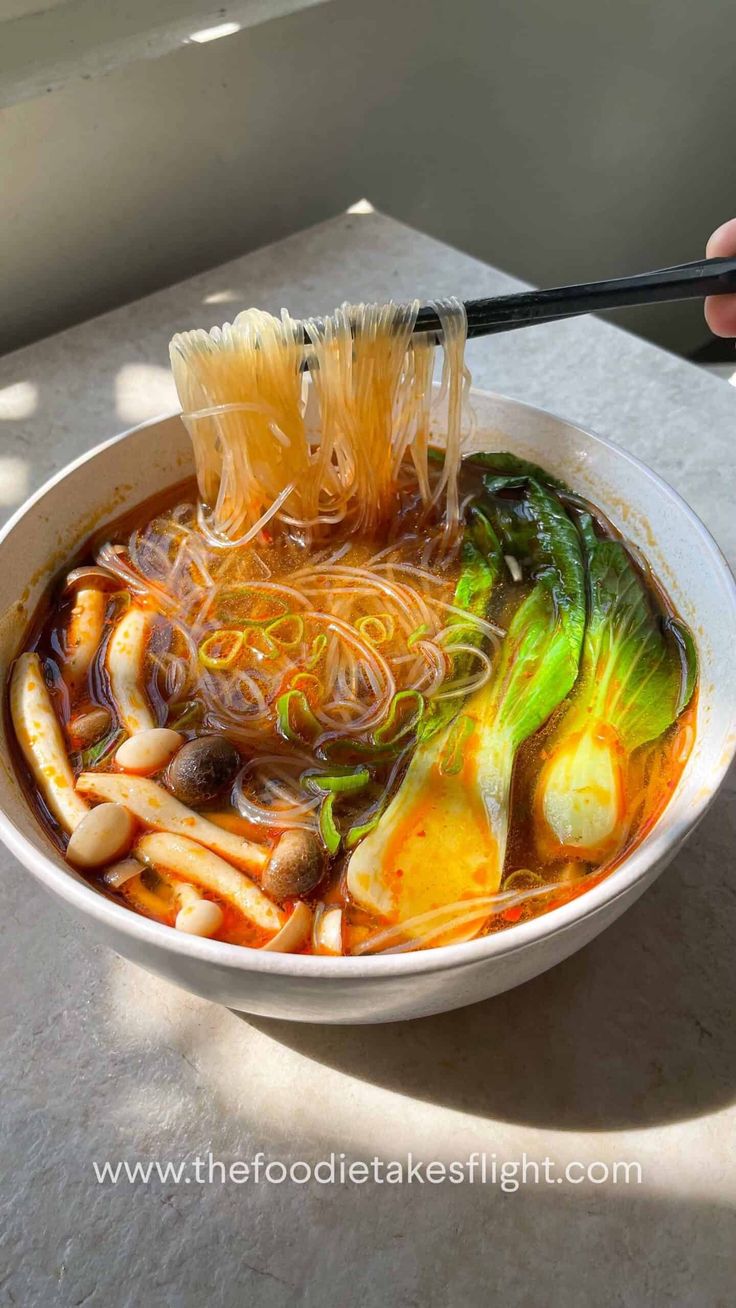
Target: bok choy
[[443, 836], [637, 673]]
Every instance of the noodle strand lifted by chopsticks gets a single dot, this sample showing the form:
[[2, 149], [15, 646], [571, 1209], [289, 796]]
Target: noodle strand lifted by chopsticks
[[270, 449]]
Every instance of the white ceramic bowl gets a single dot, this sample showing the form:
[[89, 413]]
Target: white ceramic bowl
[[120, 474]]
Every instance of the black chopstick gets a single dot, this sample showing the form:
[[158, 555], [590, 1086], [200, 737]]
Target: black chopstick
[[504, 313]]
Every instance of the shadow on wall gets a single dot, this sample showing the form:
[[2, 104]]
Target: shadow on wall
[[636, 1029]]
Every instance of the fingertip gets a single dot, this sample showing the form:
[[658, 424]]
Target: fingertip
[[720, 314], [722, 243]]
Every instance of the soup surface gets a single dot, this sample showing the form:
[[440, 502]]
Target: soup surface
[[325, 702]]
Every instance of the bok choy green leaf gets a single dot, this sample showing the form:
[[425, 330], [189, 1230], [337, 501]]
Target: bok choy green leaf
[[506, 465]]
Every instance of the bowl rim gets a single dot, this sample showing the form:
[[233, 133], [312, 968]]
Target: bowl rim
[[86, 900]]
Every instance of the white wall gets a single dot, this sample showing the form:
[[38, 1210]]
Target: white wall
[[559, 140]]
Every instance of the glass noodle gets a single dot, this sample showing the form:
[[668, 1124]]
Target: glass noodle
[[268, 445]]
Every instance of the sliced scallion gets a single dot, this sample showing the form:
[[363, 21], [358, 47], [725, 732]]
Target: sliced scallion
[[401, 717], [376, 628], [228, 642], [327, 826], [294, 718], [287, 631], [337, 783]]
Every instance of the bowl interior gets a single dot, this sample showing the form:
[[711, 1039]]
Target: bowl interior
[[130, 469]]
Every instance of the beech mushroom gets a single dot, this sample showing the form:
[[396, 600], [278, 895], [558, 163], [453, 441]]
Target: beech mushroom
[[104, 834], [294, 933], [202, 768], [83, 634], [125, 657], [155, 807], [38, 733], [297, 864], [192, 862], [148, 751], [327, 933]]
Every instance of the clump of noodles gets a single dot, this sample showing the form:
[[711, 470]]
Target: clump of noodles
[[364, 388], [357, 636], [241, 391], [266, 450]]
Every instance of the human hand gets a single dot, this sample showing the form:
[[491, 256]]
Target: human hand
[[720, 310]]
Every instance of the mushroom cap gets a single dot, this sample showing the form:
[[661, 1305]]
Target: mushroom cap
[[202, 768], [297, 864]]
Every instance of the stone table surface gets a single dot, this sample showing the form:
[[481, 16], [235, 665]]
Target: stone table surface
[[624, 1052]]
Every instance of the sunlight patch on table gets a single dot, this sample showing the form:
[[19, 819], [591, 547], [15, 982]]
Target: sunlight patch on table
[[14, 481], [223, 297], [207, 34], [143, 391], [18, 401]]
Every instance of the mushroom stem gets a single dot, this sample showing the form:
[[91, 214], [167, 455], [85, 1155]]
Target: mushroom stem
[[197, 916], [156, 808], [83, 634], [295, 931], [193, 863], [125, 655], [327, 933], [146, 900], [39, 735]]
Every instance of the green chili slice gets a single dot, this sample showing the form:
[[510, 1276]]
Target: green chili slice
[[327, 826], [304, 681], [252, 634], [401, 719], [294, 718], [337, 783], [319, 645]]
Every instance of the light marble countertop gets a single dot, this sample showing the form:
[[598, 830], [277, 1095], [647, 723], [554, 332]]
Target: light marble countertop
[[624, 1052]]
